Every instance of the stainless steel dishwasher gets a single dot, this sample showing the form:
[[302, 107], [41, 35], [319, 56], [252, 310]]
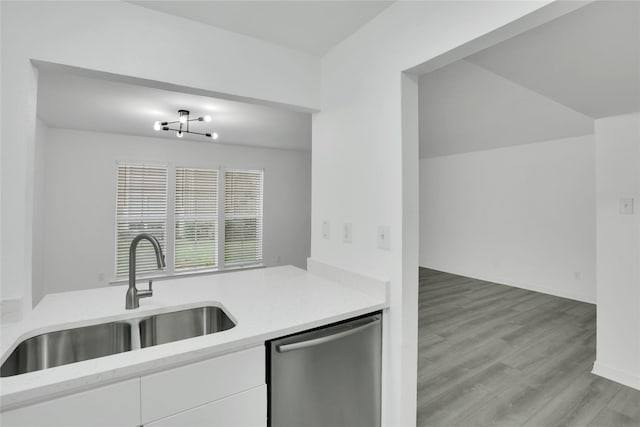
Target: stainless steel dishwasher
[[327, 377]]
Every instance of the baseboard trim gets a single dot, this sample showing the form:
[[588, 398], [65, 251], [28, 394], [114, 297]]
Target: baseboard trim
[[569, 295], [623, 377]]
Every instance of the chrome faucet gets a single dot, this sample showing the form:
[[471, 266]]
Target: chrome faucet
[[133, 294]]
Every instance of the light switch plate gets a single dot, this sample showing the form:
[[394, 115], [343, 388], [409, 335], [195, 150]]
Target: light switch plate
[[325, 230], [346, 232], [384, 237], [626, 206]]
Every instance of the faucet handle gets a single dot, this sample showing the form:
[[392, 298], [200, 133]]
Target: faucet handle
[[146, 293]]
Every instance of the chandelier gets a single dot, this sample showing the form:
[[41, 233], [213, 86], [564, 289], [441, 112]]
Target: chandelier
[[181, 126]]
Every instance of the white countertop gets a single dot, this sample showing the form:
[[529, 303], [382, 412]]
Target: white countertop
[[264, 303]]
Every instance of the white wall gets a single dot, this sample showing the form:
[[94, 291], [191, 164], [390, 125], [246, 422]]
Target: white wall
[[618, 320], [365, 162], [122, 38], [522, 216], [39, 211], [360, 128], [80, 175]]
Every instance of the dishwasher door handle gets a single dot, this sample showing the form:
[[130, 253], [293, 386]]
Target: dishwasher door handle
[[283, 348]]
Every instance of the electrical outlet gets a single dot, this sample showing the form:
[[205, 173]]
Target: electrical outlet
[[384, 238], [346, 232], [325, 230], [626, 206]]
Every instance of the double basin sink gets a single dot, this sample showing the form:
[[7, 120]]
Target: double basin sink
[[90, 342]]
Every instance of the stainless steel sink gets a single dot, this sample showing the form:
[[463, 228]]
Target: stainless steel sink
[[67, 346], [90, 342], [180, 325]]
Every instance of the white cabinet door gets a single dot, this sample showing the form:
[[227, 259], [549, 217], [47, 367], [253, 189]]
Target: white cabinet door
[[169, 392], [114, 405], [246, 409]]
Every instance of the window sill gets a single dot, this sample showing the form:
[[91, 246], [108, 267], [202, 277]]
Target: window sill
[[182, 274]]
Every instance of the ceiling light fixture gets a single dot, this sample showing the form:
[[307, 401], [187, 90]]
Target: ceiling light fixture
[[183, 125]]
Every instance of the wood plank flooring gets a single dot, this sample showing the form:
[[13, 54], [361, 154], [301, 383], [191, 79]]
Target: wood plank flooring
[[494, 355]]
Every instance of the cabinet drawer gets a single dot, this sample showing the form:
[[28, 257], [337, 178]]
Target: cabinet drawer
[[246, 409], [169, 392], [114, 405]]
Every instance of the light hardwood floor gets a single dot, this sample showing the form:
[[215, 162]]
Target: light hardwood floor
[[494, 355]]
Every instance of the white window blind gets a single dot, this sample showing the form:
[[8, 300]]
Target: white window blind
[[141, 207], [196, 218], [243, 193]]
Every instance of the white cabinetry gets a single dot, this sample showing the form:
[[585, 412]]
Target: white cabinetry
[[225, 391], [113, 406], [246, 409], [169, 392]]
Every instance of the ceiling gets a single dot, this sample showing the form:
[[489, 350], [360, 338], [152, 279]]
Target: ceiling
[[72, 101], [588, 60], [548, 83], [310, 26], [465, 108]]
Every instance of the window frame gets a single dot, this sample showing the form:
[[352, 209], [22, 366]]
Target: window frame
[[118, 164], [170, 223], [216, 267], [223, 216]]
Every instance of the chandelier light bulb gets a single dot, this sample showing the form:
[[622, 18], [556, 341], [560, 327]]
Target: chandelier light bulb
[[181, 125]]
